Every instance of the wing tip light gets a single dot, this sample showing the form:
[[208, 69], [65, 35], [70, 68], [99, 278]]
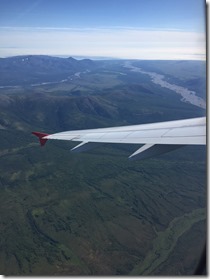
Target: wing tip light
[[41, 137]]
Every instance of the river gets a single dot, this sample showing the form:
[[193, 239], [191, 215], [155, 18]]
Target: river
[[187, 95]]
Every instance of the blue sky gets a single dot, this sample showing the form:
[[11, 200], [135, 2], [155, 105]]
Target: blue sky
[[137, 29]]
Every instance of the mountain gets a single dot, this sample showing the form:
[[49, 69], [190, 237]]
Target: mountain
[[25, 70]]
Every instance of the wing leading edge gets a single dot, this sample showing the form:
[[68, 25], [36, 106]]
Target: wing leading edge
[[157, 138]]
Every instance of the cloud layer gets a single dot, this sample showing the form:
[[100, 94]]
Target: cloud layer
[[116, 42]]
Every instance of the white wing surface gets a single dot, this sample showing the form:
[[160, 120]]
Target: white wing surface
[[157, 137]]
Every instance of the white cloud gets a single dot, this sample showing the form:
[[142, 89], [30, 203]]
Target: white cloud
[[113, 42]]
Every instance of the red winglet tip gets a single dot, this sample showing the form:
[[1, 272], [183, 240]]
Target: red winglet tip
[[40, 136]]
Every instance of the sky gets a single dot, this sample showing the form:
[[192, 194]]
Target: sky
[[125, 29]]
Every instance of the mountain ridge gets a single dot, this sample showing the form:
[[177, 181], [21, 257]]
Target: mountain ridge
[[28, 69]]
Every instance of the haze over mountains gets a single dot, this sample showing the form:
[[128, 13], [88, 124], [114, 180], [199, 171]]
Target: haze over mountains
[[97, 213]]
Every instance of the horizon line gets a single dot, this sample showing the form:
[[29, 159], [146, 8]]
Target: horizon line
[[80, 57]]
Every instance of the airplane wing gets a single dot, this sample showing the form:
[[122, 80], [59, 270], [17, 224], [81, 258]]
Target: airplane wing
[[157, 138]]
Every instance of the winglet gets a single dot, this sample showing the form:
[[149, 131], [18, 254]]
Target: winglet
[[40, 136]]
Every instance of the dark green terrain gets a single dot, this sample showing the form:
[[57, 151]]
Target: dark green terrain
[[96, 213]]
